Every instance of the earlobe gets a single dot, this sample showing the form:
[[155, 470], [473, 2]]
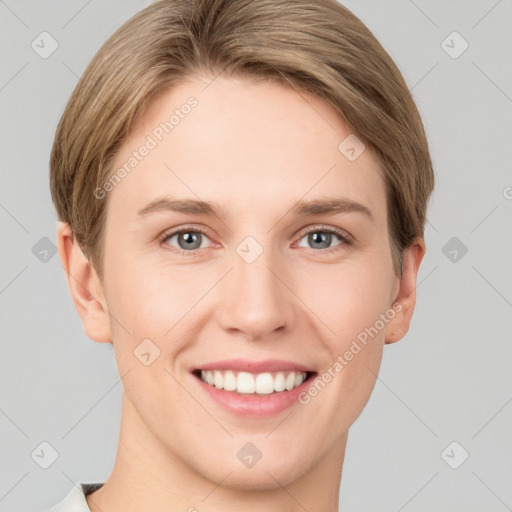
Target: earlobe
[[84, 286], [406, 297]]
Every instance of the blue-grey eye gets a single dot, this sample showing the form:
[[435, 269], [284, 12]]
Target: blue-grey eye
[[321, 238], [187, 240]]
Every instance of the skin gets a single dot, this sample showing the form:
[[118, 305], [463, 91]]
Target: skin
[[256, 149]]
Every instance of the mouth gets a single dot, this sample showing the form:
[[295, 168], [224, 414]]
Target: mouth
[[253, 384], [253, 389]]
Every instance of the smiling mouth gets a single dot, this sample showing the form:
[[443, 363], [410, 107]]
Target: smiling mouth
[[259, 384]]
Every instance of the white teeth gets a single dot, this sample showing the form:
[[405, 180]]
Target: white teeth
[[218, 379], [229, 381], [264, 383], [298, 380], [248, 383], [279, 382], [290, 381], [245, 383]]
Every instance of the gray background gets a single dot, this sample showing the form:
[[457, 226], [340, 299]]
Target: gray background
[[448, 380]]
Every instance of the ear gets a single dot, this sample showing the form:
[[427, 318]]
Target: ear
[[84, 285], [405, 299]]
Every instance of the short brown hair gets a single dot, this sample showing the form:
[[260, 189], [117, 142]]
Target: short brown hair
[[316, 46]]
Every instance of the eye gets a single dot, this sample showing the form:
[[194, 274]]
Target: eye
[[320, 237], [188, 240]]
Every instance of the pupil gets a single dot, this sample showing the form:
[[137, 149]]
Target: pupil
[[190, 238], [321, 237]]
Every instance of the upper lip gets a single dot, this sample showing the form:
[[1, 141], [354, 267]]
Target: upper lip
[[267, 365]]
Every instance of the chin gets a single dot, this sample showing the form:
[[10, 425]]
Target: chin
[[266, 474]]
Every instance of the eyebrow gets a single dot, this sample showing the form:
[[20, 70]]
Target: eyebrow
[[327, 206]]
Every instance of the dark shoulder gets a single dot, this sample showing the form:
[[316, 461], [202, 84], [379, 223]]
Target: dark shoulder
[[90, 488]]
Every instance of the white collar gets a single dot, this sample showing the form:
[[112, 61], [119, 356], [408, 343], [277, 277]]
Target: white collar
[[75, 500]]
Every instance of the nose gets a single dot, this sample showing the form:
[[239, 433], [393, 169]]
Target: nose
[[256, 297]]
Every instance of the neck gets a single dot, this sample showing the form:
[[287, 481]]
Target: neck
[[147, 476]]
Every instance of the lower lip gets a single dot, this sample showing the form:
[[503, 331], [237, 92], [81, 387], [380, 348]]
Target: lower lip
[[252, 405]]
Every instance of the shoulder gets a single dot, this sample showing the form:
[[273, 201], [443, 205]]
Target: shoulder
[[75, 500]]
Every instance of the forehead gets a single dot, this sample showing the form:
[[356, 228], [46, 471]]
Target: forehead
[[245, 145]]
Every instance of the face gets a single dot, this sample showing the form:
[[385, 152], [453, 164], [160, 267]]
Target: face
[[259, 279]]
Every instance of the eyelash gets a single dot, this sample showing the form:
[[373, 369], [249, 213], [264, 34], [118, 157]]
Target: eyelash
[[345, 238]]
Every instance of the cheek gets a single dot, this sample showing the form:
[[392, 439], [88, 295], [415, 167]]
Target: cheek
[[346, 299], [160, 305], [349, 303], [149, 301]]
